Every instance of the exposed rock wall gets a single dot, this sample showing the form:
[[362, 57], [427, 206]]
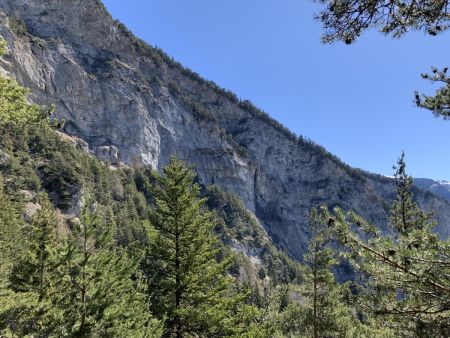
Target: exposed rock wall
[[132, 104]]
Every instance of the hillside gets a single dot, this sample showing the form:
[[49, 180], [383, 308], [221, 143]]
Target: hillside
[[439, 188], [132, 103]]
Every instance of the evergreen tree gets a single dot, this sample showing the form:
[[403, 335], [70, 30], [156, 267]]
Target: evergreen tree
[[188, 286], [438, 104], [347, 20], [14, 106], [404, 278], [322, 311], [103, 295], [35, 269], [11, 249], [77, 284], [27, 302], [318, 307], [11, 233], [406, 215]]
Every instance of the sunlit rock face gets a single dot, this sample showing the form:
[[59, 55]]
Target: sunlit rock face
[[131, 104]]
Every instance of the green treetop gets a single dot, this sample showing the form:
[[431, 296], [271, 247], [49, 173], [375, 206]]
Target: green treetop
[[405, 213]]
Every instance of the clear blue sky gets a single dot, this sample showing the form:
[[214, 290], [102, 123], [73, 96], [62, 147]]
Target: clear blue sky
[[356, 101]]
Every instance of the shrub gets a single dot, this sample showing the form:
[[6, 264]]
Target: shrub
[[18, 26], [3, 47], [201, 113]]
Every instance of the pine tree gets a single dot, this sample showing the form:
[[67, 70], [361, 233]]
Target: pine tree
[[11, 232], [103, 295], [404, 278], [11, 249], [406, 215], [346, 21], [325, 307], [188, 286], [27, 307], [318, 307], [439, 103], [35, 268], [14, 106], [322, 313]]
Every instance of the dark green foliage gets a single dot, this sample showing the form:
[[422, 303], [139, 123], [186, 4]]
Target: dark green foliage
[[318, 307], [131, 213], [404, 280], [405, 213], [439, 104], [324, 313], [101, 297], [174, 88], [51, 285], [61, 178], [347, 20], [11, 235], [80, 285], [26, 307], [34, 269], [42, 159], [188, 286], [201, 113]]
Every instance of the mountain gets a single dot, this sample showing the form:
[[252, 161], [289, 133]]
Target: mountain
[[132, 103], [439, 188]]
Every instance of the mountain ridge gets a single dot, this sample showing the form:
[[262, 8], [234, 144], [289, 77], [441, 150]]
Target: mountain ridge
[[438, 187], [133, 103]]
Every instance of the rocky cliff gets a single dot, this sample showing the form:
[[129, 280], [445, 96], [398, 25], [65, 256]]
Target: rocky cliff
[[131, 103], [439, 188]]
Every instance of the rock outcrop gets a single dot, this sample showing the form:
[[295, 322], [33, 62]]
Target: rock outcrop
[[133, 104]]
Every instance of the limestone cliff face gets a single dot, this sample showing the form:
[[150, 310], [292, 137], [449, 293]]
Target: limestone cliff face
[[131, 103]]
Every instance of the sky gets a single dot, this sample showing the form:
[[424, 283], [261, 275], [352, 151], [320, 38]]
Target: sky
[[356, 101]]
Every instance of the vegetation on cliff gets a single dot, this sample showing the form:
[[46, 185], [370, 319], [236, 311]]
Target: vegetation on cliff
[[90, 250]]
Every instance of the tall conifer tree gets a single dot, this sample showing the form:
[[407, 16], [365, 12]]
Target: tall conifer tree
[[325, 314], [11, 236], [35, 269], [28, 307], [404, 277], [189, 287], [103, 295]]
